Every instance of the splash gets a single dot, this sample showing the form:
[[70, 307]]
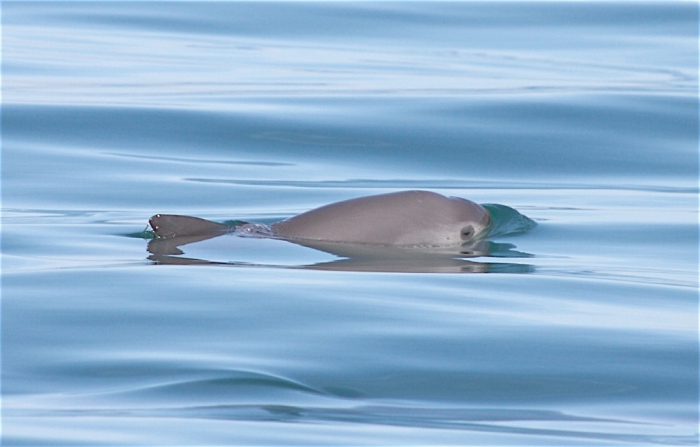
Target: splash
[[506, 221]]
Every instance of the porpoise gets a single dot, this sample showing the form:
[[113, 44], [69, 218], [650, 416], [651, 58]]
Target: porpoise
[[407, 218]]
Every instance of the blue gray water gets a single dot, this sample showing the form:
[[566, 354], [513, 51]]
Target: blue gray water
[[581, 331]]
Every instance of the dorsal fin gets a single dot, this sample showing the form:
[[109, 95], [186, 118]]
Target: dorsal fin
[[171, 225]]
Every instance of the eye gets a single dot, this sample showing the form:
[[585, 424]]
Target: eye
[[467, 232]]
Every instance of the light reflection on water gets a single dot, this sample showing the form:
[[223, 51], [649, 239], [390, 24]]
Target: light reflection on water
[[581, 116]]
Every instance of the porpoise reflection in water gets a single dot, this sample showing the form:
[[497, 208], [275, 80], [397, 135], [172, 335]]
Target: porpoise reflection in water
[[412, 228]]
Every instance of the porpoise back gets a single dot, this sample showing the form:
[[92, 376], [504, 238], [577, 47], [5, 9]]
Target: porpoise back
[[407, 218]]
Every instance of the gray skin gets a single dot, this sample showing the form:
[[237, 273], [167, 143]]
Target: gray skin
[[407, 218], [402, 219], [171, 225]]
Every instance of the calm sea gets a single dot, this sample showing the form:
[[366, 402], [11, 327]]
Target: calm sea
[[582, 116]]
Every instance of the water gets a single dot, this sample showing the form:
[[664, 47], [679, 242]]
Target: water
[[582, 116]]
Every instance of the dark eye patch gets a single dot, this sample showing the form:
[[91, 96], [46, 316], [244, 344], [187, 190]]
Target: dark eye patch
[[467, 232]]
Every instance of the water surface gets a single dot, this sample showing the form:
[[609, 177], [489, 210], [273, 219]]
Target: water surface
[[582, 116]]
